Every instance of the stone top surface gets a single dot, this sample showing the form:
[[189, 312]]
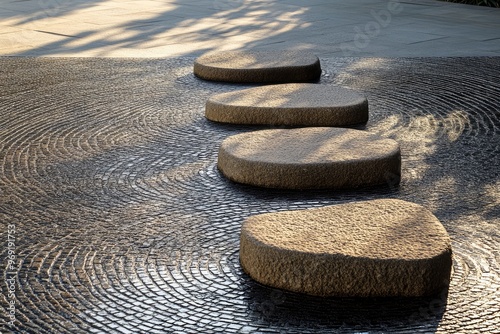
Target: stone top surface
[[291, 96], [309, 146], [256, 59], [377, 229]]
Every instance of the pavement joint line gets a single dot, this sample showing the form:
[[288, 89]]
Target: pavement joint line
[[54, 33]]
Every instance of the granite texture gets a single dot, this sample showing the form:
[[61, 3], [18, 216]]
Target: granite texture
[[289, 105], [258, 66], [310, 158], [379, 248]]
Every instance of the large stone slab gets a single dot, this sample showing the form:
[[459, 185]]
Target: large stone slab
[[378, 248], [258, 66], [310, 158], [293, 104]]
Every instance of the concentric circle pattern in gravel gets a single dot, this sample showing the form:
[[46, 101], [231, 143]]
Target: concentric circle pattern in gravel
[[124, 225]]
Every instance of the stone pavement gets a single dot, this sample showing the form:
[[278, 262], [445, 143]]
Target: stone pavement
[[111, 203], [122, 223], [165, 28]]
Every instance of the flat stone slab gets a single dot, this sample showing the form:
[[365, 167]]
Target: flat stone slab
[[258, 66], [310, 158], [293, 104], [378, 248]]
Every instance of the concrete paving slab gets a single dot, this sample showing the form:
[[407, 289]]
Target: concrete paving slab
[[6, 13], [260, 23], [66, 29], [487, 48], [8, 30], [483, 34], [404, 37]]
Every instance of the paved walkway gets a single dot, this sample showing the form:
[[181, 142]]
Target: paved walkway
[[122, 223], [380, 28]]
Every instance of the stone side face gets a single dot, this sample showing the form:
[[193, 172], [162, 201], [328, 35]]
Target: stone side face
[[289, 105], [310, 158], [364, 249], [258, 67]]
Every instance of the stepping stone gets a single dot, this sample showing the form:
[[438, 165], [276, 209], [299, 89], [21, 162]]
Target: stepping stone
[[379, 248], [289, 105], [310, 158], [258, 66]]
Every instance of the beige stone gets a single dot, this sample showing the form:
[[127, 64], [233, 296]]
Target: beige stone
[[377, 248], [296, 104], [310, 158], [258, 66]]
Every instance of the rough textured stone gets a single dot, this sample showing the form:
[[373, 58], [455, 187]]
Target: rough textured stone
[[382, 247], [308, 158], [289, 104], [258, 66]]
